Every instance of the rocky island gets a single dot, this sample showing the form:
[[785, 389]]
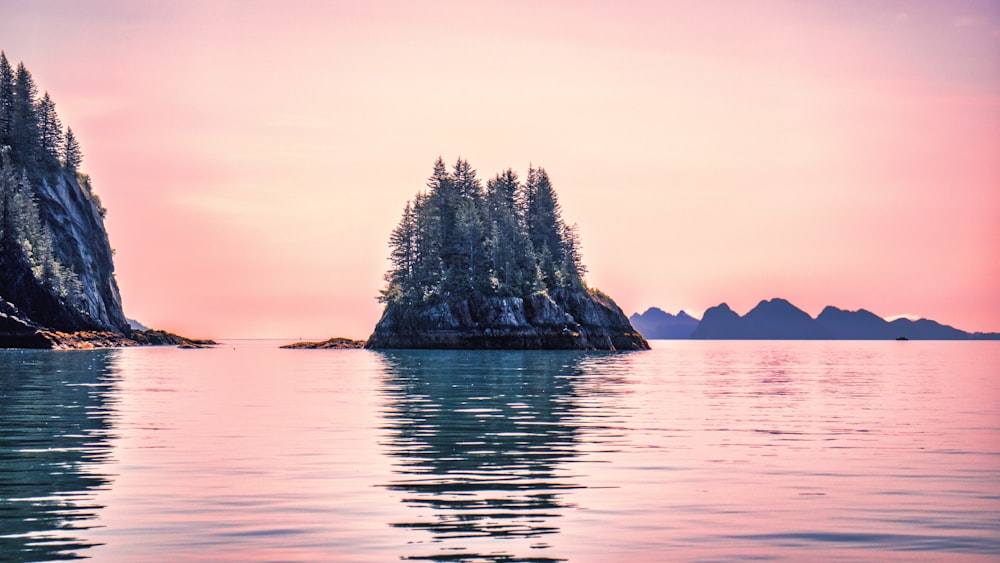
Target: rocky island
[[57, 283], [493, 268]]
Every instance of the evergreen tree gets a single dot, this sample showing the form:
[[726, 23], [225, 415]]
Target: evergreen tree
[[469, 268], [428, 269], [403, 258], [6, 100], [50, 137], [572, 266], [24, 136], [72, 156], [512, 258], [542, 220]]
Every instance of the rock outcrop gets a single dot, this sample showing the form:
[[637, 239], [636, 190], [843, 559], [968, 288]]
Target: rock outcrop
[[81, 242], [564, 319], [336, 343], [17, 331]]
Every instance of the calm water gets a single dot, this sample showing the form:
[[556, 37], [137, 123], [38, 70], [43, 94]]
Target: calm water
[[694, 451]]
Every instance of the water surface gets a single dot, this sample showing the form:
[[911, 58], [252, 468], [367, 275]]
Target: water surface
[[693, 451]]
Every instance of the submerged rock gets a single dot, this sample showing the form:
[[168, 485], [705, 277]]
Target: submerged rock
[[562, 320]]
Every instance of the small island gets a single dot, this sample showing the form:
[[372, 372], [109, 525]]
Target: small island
[[336, 343], [493, 268]]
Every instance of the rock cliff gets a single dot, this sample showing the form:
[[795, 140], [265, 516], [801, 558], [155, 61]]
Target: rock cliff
[[562, 319], [71, 215]]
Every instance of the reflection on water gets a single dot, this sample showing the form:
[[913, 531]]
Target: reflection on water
[[55, 412], [483, 443], [718, 451]]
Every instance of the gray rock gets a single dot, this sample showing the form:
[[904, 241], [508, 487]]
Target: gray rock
[[563, 320]]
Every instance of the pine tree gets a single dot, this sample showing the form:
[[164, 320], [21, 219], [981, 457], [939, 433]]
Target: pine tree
[[542, 220], [512, 258], [572, 266], [24, 136], [50, 136], [428, 269], [469, 270], [6, 99], [403, 258], [72, 156]]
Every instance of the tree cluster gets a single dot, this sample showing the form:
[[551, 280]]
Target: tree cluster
[[30, 129], [26, 240], [33, 146], [457, 239]]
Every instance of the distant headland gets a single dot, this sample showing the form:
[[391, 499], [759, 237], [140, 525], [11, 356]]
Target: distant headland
[[57, 281], [493, 268], [777, 319]]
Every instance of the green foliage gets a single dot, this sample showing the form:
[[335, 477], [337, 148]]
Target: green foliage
[[6, 100], [50, 135], [30, 125], [88, 189], [72, 155], [23, 234], [457, 239]]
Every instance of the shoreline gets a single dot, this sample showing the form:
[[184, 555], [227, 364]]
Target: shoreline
[[44, 339]]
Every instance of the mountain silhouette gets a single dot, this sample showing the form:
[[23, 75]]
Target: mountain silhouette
[[855, 325], [721, 322], [656, 323], [778, 319]]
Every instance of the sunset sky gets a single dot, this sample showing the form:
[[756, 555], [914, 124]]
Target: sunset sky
[[254, 156]]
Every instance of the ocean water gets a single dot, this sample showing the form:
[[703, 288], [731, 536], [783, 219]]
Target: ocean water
[[698, 451]]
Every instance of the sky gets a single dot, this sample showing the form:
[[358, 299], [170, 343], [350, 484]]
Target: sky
[[254, 156]]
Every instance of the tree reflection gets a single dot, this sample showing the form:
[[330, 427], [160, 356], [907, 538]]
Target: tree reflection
[[483, 442], [55, 424]]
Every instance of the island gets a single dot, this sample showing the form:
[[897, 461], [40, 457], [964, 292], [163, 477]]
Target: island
[[337, 343], [492, 267]]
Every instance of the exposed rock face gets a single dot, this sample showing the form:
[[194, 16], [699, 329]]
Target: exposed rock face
[[574, 320], [82, 243], [16, 330]]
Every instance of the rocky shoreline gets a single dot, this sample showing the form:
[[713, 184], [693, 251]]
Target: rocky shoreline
[[564, 320], [16, 331], [90, 340]]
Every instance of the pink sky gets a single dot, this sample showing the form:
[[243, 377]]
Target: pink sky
[[255, 155]]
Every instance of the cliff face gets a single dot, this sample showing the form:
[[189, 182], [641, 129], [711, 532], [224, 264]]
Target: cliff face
[[80, 244], [564, 319]]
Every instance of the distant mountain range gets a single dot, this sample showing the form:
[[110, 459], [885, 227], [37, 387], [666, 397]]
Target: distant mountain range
[[655, 323], [777, 319]]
